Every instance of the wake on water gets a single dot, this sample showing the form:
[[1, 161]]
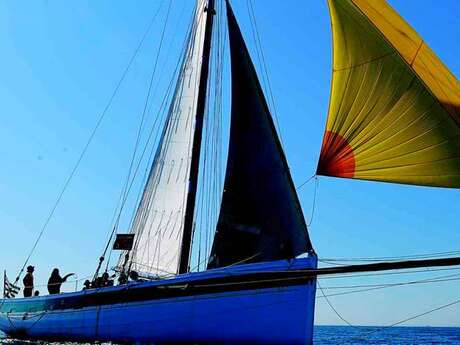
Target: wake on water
[[362, 335]]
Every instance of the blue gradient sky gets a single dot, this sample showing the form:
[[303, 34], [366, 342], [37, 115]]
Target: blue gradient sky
[[60, 62]]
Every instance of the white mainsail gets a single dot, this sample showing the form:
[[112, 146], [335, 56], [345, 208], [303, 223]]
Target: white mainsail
[[159, 220]]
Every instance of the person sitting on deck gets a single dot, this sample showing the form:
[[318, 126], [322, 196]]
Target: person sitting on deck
[[37, 293], [28, 281], [55, 282], [106, 281], [123, 278], [134, 276], [97, 283], [86, 285]]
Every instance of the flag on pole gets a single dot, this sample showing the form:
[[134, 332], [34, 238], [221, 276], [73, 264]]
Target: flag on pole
[[123, 242], [9, 289]]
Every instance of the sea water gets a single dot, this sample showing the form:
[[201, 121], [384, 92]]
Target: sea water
[[334, 335], [342, 335]]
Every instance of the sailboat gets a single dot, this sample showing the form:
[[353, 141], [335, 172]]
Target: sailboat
[[394, 116]]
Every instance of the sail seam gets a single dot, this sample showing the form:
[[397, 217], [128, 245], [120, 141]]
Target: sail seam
[[409, 65]]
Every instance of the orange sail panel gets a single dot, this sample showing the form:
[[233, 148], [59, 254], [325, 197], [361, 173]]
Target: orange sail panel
[[394, 112]]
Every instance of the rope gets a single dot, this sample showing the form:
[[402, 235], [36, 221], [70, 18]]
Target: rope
[[314, 202], [333, 308], [137, 224], [423, 281], [393, 258], [210, 185], [385, 327], [305, 182], [388, 286], [444, 306], [128, 185], [85, 148], [141, 126], [36, 321], [258, 42]]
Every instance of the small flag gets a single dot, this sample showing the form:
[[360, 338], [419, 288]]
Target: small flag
[[9, 289], [124, 242]]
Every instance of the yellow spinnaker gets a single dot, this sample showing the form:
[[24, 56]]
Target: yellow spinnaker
[[394, 112]]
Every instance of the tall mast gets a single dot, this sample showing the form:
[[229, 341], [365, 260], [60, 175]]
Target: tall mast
[[196, 145]]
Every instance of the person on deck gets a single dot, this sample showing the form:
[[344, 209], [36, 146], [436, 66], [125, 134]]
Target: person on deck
[[96, 283], [28, 281], [86, 285], [55, 281], [134, 276], [123, 278], [105, 280]]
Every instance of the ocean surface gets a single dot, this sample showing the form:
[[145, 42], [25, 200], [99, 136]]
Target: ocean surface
[[334, 335], [340, 335]]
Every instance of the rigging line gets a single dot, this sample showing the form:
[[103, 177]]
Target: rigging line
[[386, 258], [333, 308], [135, 172], [332, 263], [136, 223], [314, 202], [207, 162], [355, 291], [213, 187], [204, 171], [265, 67], [125, 191], [88, 142], [383, 287], [444, 306], [445, 278], [120, 202], [210, 174], [306, 181], [386, 327], [259, 59], [147, 99], [214, 123], [180, 66], [197, 266], [218, 129], [148, 164]]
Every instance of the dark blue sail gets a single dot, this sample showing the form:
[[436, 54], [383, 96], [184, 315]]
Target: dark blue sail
[[260, 217]]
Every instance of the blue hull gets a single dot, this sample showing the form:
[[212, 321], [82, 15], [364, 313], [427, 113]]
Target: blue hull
[[234, 305]]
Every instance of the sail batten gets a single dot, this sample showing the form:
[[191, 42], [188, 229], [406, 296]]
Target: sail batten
[[260, 217], [394, 107]]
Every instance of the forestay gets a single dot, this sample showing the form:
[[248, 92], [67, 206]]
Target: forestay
[[394, 112], [159, 221]]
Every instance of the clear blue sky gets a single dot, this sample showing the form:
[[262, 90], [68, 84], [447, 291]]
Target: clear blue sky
[[60, 62]]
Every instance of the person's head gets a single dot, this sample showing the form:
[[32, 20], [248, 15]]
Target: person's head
[[30, 269], [105, 276], [55, 272], [37, 293], [134, 275]]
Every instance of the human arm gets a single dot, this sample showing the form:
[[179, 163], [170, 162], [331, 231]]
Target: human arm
[[67, 276]]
